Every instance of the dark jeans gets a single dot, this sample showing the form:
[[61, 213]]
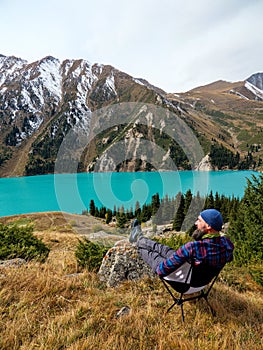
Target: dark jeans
[[153, 253]]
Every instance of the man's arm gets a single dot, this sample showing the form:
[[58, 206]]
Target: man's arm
[[171, 264]]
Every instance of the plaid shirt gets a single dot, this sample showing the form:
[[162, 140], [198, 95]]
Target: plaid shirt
[[215, 251]]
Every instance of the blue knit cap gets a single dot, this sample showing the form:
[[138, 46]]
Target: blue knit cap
[[213, 218]]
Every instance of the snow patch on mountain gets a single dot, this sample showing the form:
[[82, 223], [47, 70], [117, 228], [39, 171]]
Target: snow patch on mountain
[[255, 90], [51, 77], [10, 68], [234, 92], [137, 81], [110, 83]]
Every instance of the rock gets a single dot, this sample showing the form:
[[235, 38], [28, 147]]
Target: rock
[[205, 164], [12, 262], [122, 263], [123, 311]]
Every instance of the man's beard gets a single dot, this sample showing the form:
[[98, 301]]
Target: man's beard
[[198, 234]]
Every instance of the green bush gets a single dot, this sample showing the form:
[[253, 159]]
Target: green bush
[[175, 241], [19, 242], [89, 255], [256, 272]]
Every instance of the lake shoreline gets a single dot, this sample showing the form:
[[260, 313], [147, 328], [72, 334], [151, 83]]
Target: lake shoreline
[[72, 193]]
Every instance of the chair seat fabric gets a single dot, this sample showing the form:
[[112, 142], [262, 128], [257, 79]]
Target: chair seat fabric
[[191, 278], [183, 274]]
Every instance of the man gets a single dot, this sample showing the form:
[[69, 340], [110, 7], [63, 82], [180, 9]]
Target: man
[[209, 247]]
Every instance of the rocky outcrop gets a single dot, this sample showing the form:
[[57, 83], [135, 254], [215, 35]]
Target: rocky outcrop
[[122, 263], [205, 164]]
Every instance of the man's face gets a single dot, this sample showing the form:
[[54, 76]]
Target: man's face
[[201, 225]]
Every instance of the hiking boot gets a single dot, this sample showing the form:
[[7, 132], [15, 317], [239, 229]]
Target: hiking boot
[[136, 231]]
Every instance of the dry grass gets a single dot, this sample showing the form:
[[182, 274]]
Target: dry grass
[[42, 307]]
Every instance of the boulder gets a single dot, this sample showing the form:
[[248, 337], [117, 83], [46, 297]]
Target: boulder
[[122, 263], [16, 262]]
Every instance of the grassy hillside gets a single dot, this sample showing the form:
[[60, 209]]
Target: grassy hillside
[[217, 111], [56, 306]]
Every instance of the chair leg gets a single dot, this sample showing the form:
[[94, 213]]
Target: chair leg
[[170, 308], [179, 303]]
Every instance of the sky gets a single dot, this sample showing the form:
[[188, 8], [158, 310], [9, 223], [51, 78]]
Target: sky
[[175, 45]]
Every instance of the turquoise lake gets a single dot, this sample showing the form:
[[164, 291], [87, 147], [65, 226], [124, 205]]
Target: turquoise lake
[[72, 192]]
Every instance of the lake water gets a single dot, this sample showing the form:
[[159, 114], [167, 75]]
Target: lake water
[[72, 192]]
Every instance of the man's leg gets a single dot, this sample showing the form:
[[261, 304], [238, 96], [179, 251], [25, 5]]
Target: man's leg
[[153, 253]]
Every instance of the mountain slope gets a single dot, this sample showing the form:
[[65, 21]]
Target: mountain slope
[[41, 102], [231, 111]]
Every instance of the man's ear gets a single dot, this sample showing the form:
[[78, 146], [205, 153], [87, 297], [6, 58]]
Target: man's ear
[[209, 228]]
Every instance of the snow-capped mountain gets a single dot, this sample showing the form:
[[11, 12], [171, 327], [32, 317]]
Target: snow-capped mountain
[[251, 88], [255, 85], [41, 101], [256, 80], [31, 93]]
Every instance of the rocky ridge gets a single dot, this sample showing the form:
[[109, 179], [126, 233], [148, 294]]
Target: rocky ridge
[[40, 102]]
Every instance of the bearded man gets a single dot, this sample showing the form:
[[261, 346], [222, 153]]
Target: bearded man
[[209, 246]]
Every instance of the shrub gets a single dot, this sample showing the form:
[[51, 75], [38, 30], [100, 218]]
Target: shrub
[[175, 241], [19, 242], [89, 255]]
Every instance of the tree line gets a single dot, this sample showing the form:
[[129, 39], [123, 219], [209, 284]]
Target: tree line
[[168, 210]]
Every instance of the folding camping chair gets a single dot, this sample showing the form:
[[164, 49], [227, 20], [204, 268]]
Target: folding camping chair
[[193, 282]]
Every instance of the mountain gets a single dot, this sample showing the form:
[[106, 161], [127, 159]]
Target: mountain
[[230, 114], [40, 102]]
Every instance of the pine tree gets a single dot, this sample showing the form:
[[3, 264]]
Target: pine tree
[[137, 211], [217, 202], [192, 209], [102, 212], [108, 216], [155, 203], [92, 207], [121, 218], [168, 210], [246, 228], [188, 200], [114, 211], [145, 214], [209, 203], [180, 215]]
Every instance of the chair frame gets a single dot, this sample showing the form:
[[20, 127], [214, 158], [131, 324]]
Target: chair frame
[[201, 294]]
